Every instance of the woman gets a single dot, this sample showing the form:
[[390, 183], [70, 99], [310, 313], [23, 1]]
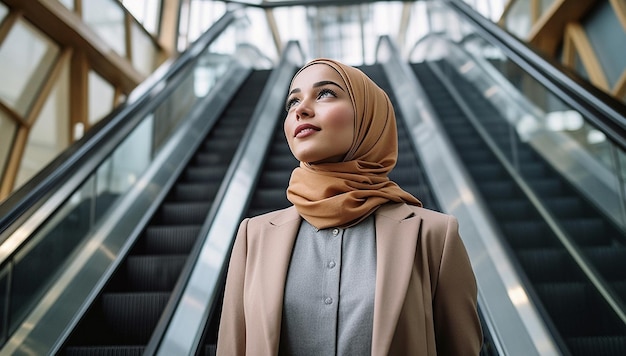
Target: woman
[[356, 266]]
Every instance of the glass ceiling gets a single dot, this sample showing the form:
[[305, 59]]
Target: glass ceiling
[[347, 30]]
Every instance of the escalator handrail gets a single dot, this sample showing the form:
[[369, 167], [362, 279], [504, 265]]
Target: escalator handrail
[[110, 130], [603, 111]]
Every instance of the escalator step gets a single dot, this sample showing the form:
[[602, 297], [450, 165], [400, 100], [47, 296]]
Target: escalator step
[[153, 273], [104, 351], [514, 210], [587, 231], [210, 158], [570, 307], [566, 207], [549, 265], [488, 171], [203, 174], [601, 345], [271, 198], [133, 316], [529, 234], [194, 191], [168, 239], [547, 187], [183, 213], [500, 189], [608, 260]]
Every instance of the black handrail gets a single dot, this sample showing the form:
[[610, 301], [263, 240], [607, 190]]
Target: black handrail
[[23, 202], [602, 110]]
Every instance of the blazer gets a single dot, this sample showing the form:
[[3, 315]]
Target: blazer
[[425, 297]]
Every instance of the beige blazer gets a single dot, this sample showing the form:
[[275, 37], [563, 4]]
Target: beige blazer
[[425, 298]]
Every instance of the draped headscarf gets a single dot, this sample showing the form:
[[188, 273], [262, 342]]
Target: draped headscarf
[[344, 193]]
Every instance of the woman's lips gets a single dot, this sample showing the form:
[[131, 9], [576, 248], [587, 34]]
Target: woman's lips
[[305, 130]]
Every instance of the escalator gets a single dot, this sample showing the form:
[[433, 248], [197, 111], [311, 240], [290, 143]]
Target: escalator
[[125, 315], [580, 318], [270, 191]]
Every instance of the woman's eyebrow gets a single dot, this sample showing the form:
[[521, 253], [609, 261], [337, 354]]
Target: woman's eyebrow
[[327, 82], [317, 84]]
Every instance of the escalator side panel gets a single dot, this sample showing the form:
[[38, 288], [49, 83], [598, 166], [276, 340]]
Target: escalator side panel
[[125, 315]]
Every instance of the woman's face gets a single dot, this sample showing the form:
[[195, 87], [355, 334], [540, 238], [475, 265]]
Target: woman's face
[[320, 119]]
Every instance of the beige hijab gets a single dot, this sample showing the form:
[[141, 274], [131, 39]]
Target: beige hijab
[[343, 194]]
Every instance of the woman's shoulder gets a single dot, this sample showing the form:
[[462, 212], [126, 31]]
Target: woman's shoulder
[[427, 215], [275, 217]]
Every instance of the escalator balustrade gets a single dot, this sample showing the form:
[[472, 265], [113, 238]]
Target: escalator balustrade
[[123, 318], [574, 309]]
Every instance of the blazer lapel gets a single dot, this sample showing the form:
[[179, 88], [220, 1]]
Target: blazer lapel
[[279, 236], [397, 229]]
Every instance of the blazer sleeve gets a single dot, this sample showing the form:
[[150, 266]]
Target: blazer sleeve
[[457, 327], [232, 331]]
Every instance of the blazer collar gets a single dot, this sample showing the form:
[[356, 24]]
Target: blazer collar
[[397, 229]]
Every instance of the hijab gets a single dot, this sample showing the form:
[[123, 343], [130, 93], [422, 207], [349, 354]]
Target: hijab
[[345, 193]]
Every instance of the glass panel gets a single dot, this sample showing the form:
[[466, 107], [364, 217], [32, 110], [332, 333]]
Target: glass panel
[[37, 264], [124, 167], [607, 39], [50, 133], [49, 250], [144, 52], [68, 3], [173, 110], [569, 166], [7, 132], [518, 19], [26, 56], [545, 5], [202, 14], [491, 9], [106, 17], [3, 12], [101, 97], [146, 12], [4, 301]]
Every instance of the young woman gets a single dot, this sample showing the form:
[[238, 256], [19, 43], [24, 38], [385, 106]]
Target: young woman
[[356, 266]]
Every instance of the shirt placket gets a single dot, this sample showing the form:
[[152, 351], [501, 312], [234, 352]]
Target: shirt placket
[[332, 266]]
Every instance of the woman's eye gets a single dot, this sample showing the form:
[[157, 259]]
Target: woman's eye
[[326, 93], [290, 103]]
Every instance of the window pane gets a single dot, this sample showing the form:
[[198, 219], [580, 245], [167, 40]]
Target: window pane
[[3, 12], [68, 3], [26, 56], [144, 53], [7, 132], [518, 19], [50, 133], [146, 12], [106, 17], [101, 95]]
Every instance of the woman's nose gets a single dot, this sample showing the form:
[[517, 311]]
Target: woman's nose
[[304, 110]]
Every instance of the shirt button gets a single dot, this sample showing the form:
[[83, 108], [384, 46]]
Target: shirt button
[[331, 264], [328, 300], [335, 232]]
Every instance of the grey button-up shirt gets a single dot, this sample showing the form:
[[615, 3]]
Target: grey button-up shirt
[[328, 306]]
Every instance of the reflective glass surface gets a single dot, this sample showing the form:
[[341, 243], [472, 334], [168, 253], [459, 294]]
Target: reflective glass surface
[[106, 17], [101, 97], [27, 56], [39, 262], [7, 133], [568, 169], [49, 135], [3, 12], [144, 53]]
